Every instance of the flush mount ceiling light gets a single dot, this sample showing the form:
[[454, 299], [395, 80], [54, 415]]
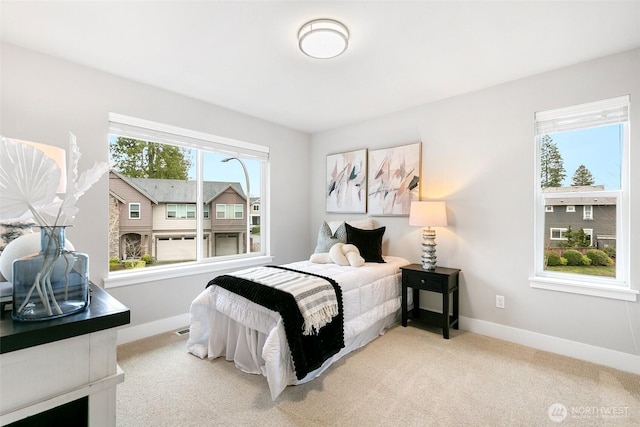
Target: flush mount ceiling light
[[323, 38]]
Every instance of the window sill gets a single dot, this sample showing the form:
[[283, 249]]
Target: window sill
[[135, 277], [582, 288]]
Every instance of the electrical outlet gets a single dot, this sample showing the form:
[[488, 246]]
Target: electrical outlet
[[499, 301]]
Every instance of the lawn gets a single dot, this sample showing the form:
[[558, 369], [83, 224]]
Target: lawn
[[608, 271]]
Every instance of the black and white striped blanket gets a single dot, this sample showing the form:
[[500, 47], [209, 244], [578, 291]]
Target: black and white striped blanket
[[308, 351], [314, 295]]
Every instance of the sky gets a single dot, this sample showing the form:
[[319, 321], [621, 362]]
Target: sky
[[231, 171], [599, 149], [216, 170]]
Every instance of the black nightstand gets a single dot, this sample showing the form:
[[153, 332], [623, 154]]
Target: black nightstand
[[442, 280]]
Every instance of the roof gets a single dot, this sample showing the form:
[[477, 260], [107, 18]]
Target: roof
[[180, 191]]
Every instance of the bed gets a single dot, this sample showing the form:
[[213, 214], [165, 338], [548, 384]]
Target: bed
[[253, 336]]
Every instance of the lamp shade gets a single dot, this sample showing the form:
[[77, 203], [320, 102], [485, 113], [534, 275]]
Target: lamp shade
[[323, 38], [428, 214], [56, 154]]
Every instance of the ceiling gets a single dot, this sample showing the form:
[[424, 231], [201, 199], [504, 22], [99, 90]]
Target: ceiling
[[243, 55]]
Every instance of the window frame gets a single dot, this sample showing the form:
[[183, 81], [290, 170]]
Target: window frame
[[586, 115], [142, 129], [131, 204]]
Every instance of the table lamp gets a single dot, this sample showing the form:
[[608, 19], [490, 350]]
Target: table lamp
[[428, 214]]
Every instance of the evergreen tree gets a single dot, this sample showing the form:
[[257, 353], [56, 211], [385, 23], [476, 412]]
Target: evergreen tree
[[143, 159], [552, 171], [582, 176]]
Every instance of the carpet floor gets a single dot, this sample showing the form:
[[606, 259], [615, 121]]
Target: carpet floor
[[407, 377]]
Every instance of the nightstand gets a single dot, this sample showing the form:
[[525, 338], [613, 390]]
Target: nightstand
[[441, 280]]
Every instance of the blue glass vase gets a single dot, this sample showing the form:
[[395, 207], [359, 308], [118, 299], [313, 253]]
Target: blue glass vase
[[52, 283]]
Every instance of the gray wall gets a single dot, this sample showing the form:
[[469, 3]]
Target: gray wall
[[478, 156], [44, 98]]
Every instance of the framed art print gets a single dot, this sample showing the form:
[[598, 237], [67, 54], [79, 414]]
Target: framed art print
[[394, 179], [346, 182]]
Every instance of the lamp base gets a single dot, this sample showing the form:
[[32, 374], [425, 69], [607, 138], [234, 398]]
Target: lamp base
[[429, 249]]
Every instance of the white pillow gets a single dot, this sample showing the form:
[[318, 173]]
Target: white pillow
[[363, 224]]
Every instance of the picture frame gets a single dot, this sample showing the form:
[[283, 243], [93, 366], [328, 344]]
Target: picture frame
[[394, 179], [346, 182]]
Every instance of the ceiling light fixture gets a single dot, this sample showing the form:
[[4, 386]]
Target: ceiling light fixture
[[323, 38]]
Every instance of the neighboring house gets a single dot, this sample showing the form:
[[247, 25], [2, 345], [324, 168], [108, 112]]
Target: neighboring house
[[596, 216], [158, 217], [255, 211]]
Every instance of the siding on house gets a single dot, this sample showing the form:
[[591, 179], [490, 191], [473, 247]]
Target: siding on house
[[172, 239]]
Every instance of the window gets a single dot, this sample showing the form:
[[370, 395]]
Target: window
[[581, 163], [183, 173], [235, 211], [558, 233], [181, 211], [134, 210]]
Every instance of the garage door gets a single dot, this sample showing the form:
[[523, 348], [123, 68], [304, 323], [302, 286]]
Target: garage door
[[176, 248], [226, 244]]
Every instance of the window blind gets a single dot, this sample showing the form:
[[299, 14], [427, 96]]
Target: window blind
[[592, 114], [131, 127]]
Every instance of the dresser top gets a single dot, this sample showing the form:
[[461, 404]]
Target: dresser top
[[103, 312]]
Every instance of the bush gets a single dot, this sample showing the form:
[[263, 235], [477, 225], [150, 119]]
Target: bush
[[147, 258], [610, 251], [573, 257], [552, 258], [585, 260], [114, 261], [134, 263], [598, 257]]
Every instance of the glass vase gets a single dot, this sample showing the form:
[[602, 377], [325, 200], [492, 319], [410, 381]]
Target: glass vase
[[52, 283]]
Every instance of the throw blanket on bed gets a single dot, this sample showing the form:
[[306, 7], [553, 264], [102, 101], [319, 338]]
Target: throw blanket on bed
[[314, 295], [270, 287]]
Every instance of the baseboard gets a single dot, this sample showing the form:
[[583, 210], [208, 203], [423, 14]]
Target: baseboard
[[615, 359], [134, 333]]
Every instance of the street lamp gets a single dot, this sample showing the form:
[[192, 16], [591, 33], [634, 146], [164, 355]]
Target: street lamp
[[246, 177]]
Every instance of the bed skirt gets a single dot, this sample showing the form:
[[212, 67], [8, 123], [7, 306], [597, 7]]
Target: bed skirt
[[253, 336]]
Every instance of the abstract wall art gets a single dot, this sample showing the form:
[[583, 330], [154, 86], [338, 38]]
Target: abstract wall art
[[394, 179], [346, 189]]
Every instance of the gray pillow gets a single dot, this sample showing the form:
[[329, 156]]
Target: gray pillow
[[326, 240]]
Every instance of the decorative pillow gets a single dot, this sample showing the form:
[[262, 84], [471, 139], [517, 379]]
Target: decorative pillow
[[326, 239], [363, 224], [368, 242]]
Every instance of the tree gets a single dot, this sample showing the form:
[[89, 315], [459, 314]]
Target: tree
[[552, 171], [143, 159], [582, 176]]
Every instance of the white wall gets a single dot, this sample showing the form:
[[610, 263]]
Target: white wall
[[478, 155], [44, 98]]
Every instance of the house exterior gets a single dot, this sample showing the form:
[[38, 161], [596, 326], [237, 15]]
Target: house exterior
[[158, 217], [596, 216]]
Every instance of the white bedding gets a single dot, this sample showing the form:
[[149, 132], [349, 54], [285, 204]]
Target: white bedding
[[223, 323]]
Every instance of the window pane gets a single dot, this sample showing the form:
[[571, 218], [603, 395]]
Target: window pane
[[231, 180], [161, 163], [575, 166], [584, 157]]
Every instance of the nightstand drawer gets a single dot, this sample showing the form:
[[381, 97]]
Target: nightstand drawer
[[418, 281]]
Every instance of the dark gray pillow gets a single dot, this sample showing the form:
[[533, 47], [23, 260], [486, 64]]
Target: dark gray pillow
[[326, 240]]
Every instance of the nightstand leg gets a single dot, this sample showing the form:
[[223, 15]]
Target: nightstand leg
[[404, 305], [445, 314], [456, 300]]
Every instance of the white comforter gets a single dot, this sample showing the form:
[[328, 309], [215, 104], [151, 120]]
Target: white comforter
[[223, 323]]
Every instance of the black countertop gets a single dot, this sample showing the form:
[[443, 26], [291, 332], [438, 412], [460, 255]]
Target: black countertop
[[104, 312]]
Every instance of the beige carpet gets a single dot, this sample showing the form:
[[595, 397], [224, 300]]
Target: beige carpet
[[407, 377]]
